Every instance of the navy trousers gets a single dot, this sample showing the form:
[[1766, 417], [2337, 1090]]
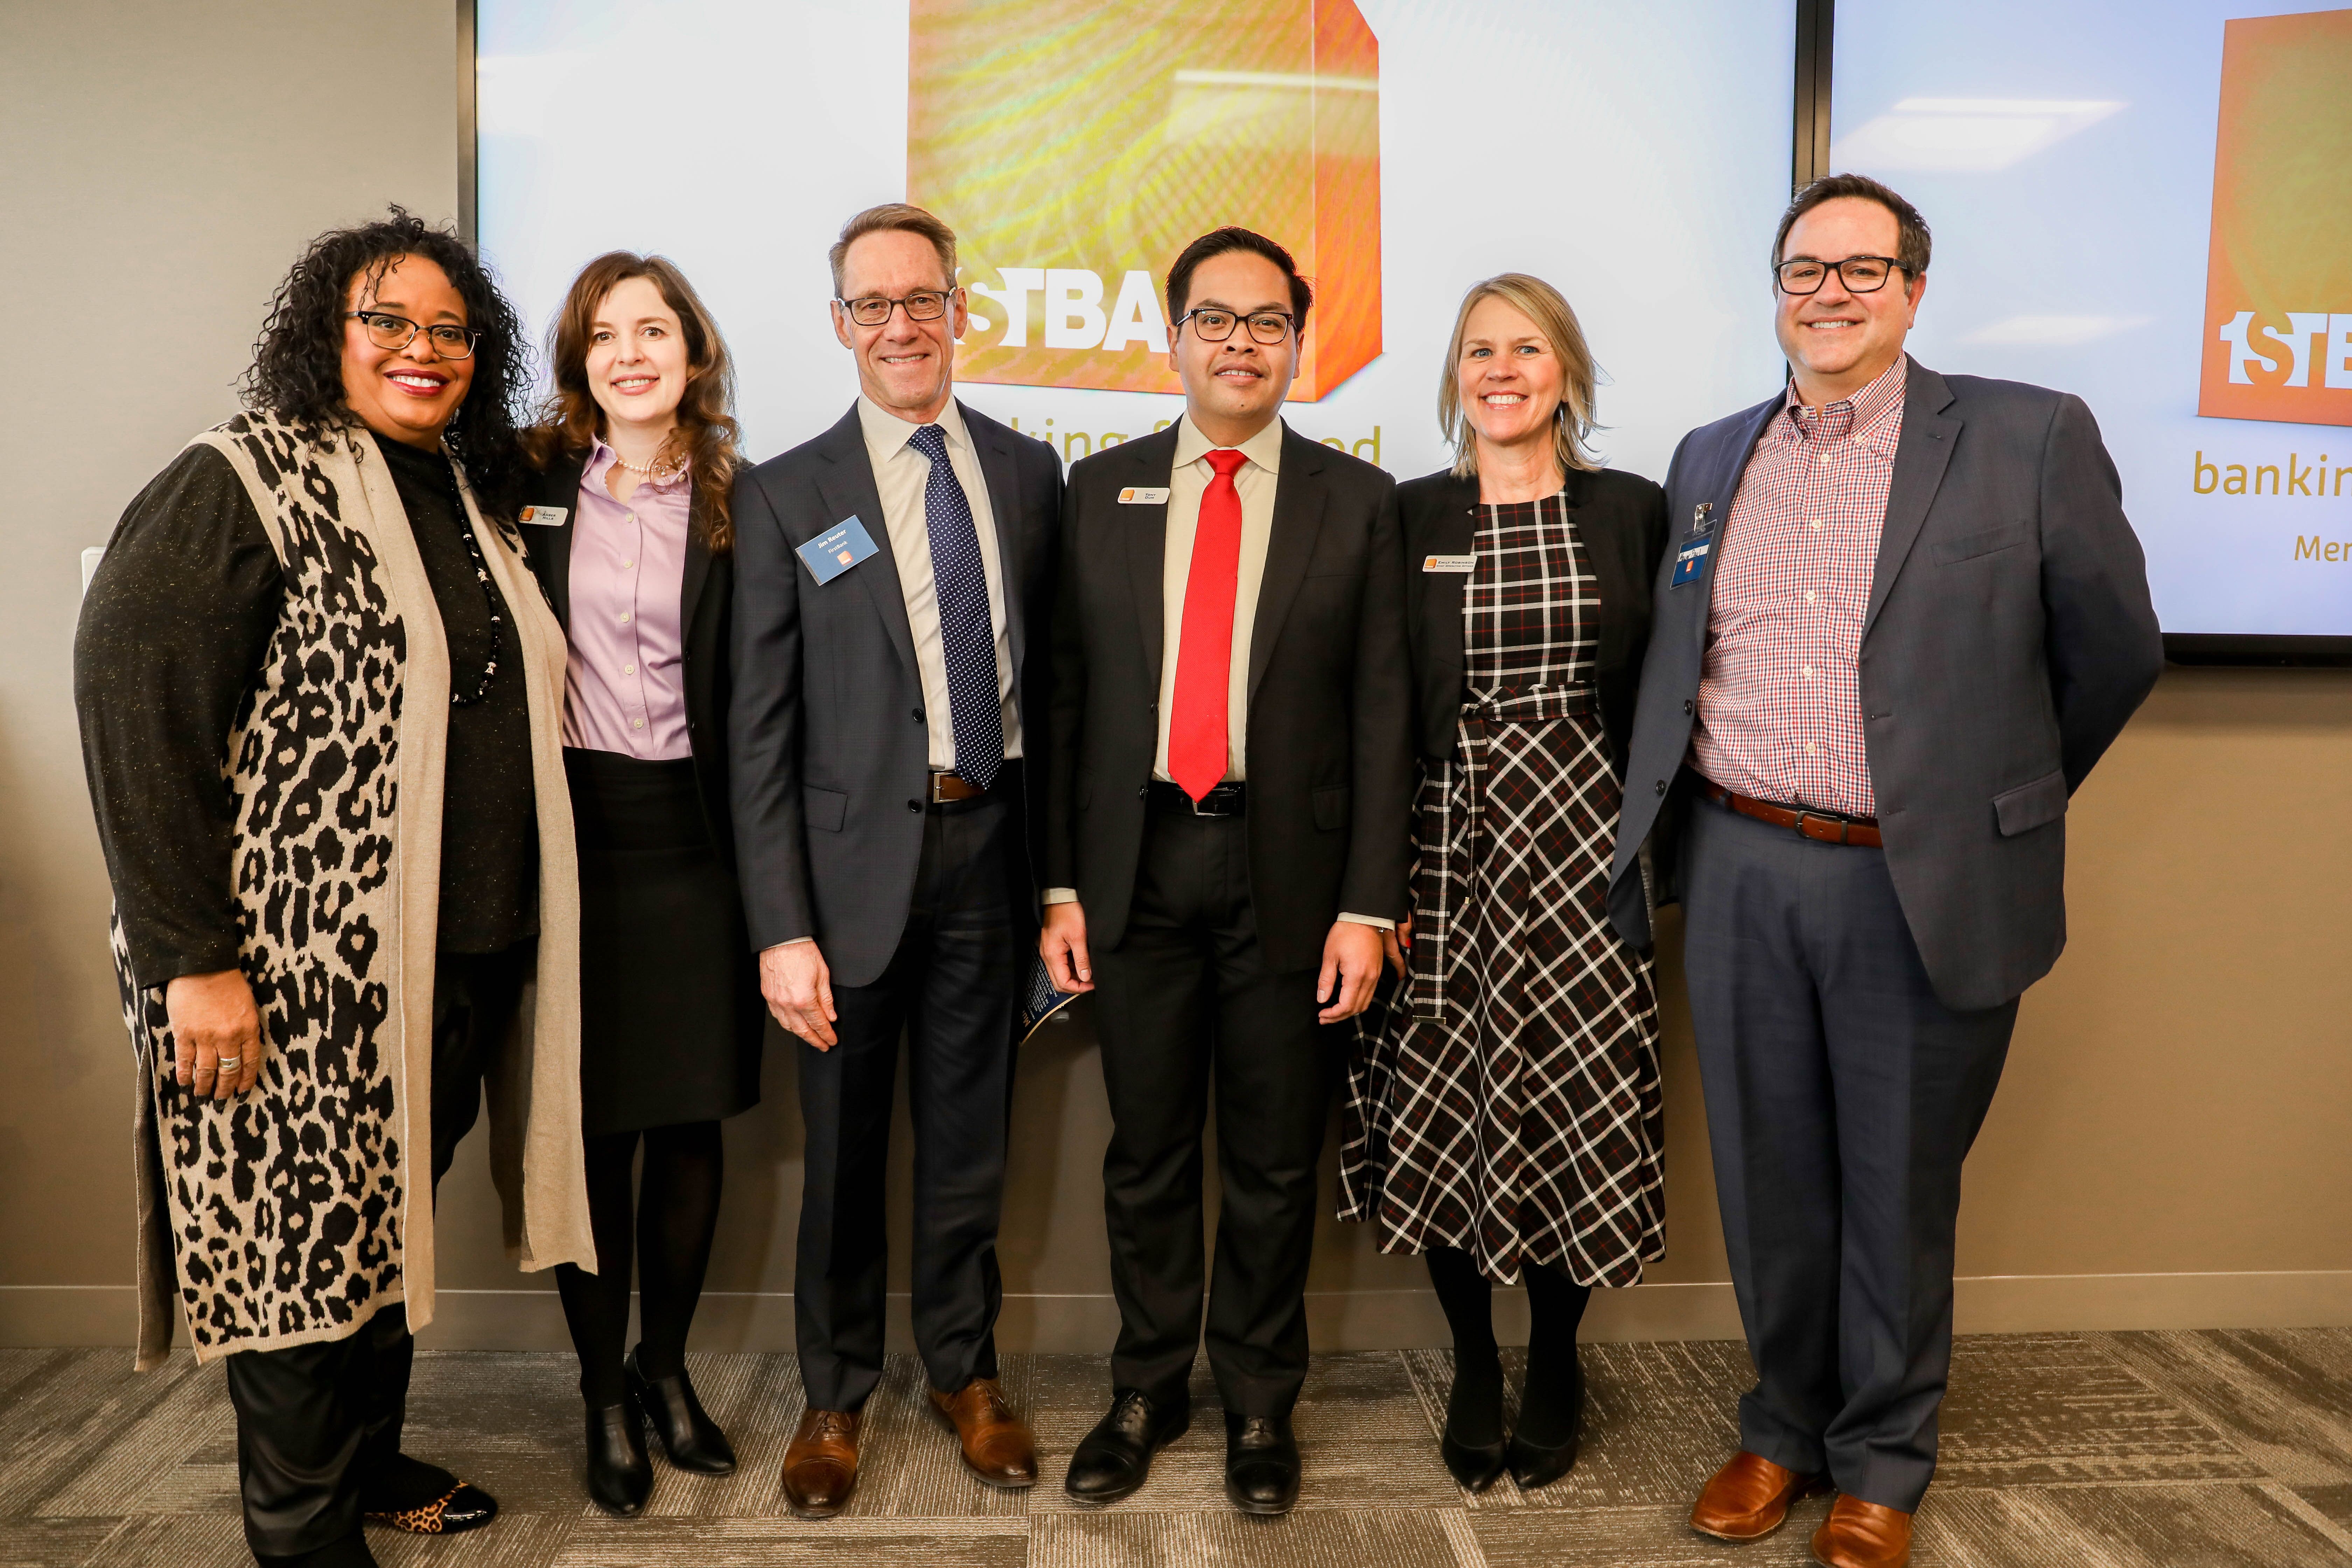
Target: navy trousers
[[1841, 1098]]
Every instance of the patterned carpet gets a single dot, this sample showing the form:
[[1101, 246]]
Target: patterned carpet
[[2105, 1450]]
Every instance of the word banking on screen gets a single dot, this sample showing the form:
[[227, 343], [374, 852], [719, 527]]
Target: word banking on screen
[[1077, 147]]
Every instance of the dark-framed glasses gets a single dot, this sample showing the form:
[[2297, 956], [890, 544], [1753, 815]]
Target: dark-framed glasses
[[1860, 274], [1215, 326], [874, 310], [387, 331]]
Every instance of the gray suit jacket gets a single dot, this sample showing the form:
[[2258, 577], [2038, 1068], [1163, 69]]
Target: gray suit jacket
[[828, 749], [2007, 637]]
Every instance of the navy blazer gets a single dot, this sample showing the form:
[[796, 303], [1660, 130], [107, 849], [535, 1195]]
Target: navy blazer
[[830, 747], [2007, 637]]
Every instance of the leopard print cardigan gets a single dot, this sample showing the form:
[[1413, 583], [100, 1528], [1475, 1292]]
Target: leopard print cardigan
[[296, 1211]]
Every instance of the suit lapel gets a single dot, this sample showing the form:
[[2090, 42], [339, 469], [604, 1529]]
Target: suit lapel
[[1298, 496], [698, 568], [562, 490], [847, 488], [1717, 486], [1003, 481], [1453, 532], [1920, 457], [1150, 461]]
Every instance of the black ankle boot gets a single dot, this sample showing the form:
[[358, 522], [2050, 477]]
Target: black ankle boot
[[688, 1435], [620, 1476], [1472, 1445]]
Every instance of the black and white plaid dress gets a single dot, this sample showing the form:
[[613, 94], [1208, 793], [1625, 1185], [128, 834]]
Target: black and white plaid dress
[[1505, 1100]]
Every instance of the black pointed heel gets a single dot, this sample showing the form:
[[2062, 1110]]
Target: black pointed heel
[[620, 1475], [1474, 1466], [688, 1435]]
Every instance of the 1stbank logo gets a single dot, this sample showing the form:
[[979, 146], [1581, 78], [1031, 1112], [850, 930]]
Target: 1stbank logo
[[2278, 279], [1077, 146]]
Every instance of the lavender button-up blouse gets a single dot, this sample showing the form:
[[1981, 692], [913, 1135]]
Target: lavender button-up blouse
[[623, 687]]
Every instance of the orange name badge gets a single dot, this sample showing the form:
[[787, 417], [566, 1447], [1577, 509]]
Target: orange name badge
[[2278, 279], [1078, 147]]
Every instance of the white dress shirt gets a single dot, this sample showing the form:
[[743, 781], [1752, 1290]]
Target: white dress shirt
[[901, 474]]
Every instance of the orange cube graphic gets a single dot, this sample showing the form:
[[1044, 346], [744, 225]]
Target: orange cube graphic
[[2278, 281], [1077, 146]]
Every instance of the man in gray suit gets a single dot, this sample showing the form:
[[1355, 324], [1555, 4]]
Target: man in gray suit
[[887, 574], [1903, 616]]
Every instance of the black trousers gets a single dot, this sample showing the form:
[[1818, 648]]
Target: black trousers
[[1185, 1004], [315, 1421], [950, 988], [1841, 1098]]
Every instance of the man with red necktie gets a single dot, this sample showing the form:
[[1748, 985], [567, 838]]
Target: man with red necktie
[[1225, 841]]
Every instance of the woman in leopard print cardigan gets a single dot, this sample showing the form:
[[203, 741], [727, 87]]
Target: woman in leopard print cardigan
[[320, 697]]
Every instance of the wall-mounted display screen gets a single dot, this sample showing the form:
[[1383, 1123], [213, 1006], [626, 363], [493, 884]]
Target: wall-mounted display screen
[[2149, 204], [1635, 156]]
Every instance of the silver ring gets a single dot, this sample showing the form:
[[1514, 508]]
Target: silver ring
[[230, 1063]]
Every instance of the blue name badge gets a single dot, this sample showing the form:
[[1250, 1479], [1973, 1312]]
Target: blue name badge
[[1688, 561], [836, 550]]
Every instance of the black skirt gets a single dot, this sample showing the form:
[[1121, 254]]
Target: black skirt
[[670, 1015]]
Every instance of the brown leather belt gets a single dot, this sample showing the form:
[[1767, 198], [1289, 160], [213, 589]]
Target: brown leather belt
[[1821, 827], [946, 787]]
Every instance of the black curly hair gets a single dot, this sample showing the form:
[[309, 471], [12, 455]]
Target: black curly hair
[[298, 361]]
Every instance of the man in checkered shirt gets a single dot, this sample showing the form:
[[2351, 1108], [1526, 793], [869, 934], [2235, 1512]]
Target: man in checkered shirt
[[1902, 616]]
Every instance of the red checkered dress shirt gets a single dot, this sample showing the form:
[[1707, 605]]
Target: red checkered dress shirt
[[1780, 709]]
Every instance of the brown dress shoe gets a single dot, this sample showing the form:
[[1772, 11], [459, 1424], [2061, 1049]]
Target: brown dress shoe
[[1859, 1534], [821, 1463], [997, 1448], [1749, 1499]]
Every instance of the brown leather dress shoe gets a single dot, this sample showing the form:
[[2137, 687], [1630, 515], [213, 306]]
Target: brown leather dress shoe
[[1749, 1499], [1859, 1534], [997, 1448], [821, 1463]]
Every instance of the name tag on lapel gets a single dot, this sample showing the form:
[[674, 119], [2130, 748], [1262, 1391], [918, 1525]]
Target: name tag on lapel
[[544, 515], [1144, 495], [1449, 563], [1689, 562], [836, 550]]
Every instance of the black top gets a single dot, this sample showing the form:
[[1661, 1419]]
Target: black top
[[1622, 518], [173, 633]]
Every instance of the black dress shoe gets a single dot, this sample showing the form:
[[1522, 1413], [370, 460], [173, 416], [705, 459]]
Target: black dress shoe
[[688, 1435], [620, 1476], [1474, 1467], [1261, 1462], [1114, 1458], [1532, 1467], [425, 1500]]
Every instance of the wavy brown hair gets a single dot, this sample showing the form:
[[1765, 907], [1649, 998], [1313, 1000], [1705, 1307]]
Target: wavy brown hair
[[706, 433]]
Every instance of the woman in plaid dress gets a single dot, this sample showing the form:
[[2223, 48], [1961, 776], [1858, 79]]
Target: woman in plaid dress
[[1502, 1108]]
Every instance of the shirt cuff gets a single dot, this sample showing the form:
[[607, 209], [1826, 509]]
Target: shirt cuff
[[1060, 896], [792, 942], [1368, 920]]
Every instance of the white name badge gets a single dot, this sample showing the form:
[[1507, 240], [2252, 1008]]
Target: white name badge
[[544, 515], [1449, 563], [1141, 495]]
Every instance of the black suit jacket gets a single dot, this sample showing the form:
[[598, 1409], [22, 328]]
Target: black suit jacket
[[1622, 519], [2007, 637], [831, 748], [1330, 743], [706, 613]]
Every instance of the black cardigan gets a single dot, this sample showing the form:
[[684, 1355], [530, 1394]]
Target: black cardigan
[[1622, 519], [706, 615]]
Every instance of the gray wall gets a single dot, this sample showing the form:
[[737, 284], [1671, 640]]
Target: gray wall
[[2167, 1150]]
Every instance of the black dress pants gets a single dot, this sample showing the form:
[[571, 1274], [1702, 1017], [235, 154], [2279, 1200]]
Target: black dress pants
[[1841, 1098], [950, 988], [1185, 1004], [315, 1421]]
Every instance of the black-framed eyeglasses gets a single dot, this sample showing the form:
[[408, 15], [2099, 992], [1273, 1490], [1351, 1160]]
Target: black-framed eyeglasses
[[874, 310], [1215, 326], [1860, 274], [387, 331]]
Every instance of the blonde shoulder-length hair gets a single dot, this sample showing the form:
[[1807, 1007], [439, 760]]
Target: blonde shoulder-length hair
[[1542, 304]]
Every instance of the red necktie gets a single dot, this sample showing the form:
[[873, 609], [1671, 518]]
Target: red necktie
[[1204, 657]]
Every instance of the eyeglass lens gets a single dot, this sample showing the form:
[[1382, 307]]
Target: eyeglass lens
[[1216, 326], [1862, 273], [398, 331], [921, 306]]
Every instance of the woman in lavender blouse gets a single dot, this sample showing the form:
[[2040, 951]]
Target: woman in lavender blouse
[[628, 529]]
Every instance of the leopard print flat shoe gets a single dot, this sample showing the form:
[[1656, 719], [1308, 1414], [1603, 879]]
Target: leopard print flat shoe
[[463, 1507]]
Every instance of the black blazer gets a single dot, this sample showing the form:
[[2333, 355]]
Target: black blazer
[[1329, 737], [1622, 519], [704, 617], [830, 746]]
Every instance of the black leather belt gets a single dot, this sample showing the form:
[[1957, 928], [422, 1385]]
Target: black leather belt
[[1228, 799]]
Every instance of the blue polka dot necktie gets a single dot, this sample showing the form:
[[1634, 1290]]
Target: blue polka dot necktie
[[967, 632]]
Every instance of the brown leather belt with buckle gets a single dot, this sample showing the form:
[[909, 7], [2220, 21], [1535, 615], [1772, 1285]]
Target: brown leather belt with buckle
[[1821, 827], [946, 787]]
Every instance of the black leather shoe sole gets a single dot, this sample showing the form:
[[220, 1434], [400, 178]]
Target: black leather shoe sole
[[1474, 1466], [1137, 1466]]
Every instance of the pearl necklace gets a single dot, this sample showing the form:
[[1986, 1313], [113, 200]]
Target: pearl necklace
[[655, 470]]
